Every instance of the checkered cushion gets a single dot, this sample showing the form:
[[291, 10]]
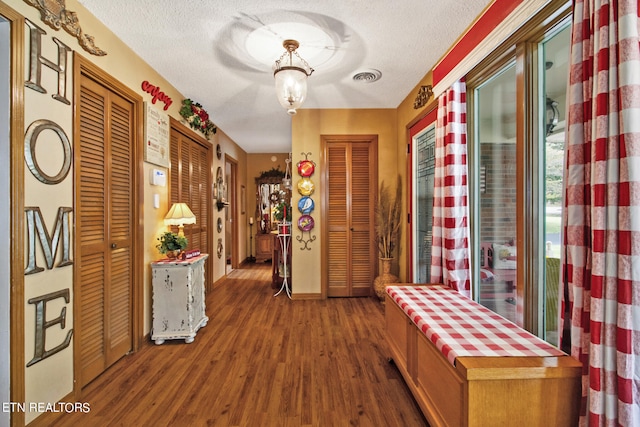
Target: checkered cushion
[[460, 327]]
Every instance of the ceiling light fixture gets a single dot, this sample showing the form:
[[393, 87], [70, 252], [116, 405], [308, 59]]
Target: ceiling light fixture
[[291, 72]]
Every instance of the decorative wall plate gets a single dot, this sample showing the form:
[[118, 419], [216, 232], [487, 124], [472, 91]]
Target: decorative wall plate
[[219, 225], [306, 168], [306, 205], [220, 248], [306, 187], [306, 223]]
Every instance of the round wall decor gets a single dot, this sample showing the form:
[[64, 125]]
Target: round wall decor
[[306, 223], [306, 205], [306, 187], [306, 168], [220, 248]]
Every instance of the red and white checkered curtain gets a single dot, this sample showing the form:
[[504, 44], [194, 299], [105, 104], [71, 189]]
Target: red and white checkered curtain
[[601, 248], [450, 248]]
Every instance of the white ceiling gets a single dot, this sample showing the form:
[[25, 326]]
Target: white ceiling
[[220, 53]]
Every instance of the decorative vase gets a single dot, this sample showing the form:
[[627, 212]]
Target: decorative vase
[[177, 254], [385, 278]]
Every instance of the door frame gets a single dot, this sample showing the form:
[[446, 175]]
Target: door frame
[[324, 196], [415, 128], [82, 66], [16, 210], [232, 183]]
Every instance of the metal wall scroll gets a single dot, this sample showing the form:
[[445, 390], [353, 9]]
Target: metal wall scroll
[[306, 187], [424, 94], [55, 14]]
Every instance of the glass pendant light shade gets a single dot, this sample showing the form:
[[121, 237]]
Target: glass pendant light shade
[[290, 73], [291, 87]]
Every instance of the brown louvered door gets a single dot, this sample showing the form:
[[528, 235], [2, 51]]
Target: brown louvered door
[[190, 180], [103, 227], [351, 183]]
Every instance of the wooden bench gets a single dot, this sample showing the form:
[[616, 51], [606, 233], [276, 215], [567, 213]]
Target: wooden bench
[[468, 366]]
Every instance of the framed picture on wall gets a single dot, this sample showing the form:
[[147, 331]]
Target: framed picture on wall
[[156, 132]]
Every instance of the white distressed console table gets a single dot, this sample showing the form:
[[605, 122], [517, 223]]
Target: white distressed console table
[[178, 299]]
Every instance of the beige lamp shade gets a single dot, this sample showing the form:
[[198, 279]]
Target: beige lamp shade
[[179, 215]]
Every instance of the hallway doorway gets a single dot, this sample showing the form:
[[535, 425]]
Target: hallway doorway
[[231, 215]]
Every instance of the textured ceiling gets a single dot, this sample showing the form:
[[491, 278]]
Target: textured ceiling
[[220, 53]]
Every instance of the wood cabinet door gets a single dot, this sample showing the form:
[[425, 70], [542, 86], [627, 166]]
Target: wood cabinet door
[[104, 224], [350, 184], [264, 246]]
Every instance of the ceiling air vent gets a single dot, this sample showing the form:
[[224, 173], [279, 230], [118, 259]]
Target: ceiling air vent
[[368, 76]]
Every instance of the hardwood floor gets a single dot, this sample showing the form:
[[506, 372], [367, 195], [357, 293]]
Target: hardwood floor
[[260, 361]]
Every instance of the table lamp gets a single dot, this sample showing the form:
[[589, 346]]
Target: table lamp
[[179, 215]]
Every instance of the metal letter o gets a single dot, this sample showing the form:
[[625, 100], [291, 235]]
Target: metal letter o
[[30, 140]]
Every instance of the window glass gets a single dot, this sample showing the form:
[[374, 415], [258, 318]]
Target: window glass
[[424, 173], [495, 129], [555, 52]]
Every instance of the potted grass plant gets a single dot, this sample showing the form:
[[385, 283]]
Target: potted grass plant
[[387, 226]]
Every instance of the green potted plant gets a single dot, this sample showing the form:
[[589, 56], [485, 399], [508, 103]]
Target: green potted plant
[[171, 244]]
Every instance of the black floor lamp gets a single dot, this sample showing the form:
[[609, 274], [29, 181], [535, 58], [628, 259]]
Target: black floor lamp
[[251, 257]]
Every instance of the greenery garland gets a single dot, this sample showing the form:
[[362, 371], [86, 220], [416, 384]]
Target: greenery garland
[[197, 117]]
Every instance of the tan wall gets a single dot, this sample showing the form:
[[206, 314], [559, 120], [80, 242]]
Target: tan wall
[[236, 155], [307, 128], [52, 378]]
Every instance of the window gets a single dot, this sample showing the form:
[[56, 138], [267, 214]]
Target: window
[[424, 162], [516, 144]]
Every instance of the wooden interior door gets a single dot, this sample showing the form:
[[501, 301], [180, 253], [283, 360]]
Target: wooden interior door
[[190, 178], [104, 223], [351, 181]]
